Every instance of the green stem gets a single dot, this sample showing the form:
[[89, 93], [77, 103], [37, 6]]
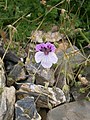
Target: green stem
[[88, 41]]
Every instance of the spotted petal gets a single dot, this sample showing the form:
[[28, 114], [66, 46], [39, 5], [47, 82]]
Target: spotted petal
[[40, 46], [51, 46], [39, 56]]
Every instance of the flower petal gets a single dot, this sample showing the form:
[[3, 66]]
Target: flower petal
[[52, 57], [51, 46], [45, 62], [39, 56], [39, 46]]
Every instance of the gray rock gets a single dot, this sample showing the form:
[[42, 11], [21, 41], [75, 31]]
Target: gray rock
[[68, 61], [71, 111], [45, 97], [45, 75], [25, 109], [75, 93], [51, 36], [71, 55], [2, 75], [86, 72], [40, 74], [16, 74], [7, 101], [43, 113]]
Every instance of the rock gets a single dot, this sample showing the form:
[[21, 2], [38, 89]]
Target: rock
[[41, 75], [71, 55], [62, 46], [68, 60], [1, 50], [7, 101], [86, 72], [30, 79], [51, 36], [45, 97], [60, 78], [37, 36], [79, 92], [75, 93], [43, 113], [9, 56], [78, 110], [16, 74], [45, 75], [75, 55], [2, 75], [87, 50], [25, 109], [10, 59], [8, 66]]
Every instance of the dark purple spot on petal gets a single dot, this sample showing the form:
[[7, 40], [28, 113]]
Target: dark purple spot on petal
[[46, 48]]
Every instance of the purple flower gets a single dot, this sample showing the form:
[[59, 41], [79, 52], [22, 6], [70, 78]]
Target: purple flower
[[45, 54]]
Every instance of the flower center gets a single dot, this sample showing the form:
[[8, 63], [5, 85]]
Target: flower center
[[46, 50]]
